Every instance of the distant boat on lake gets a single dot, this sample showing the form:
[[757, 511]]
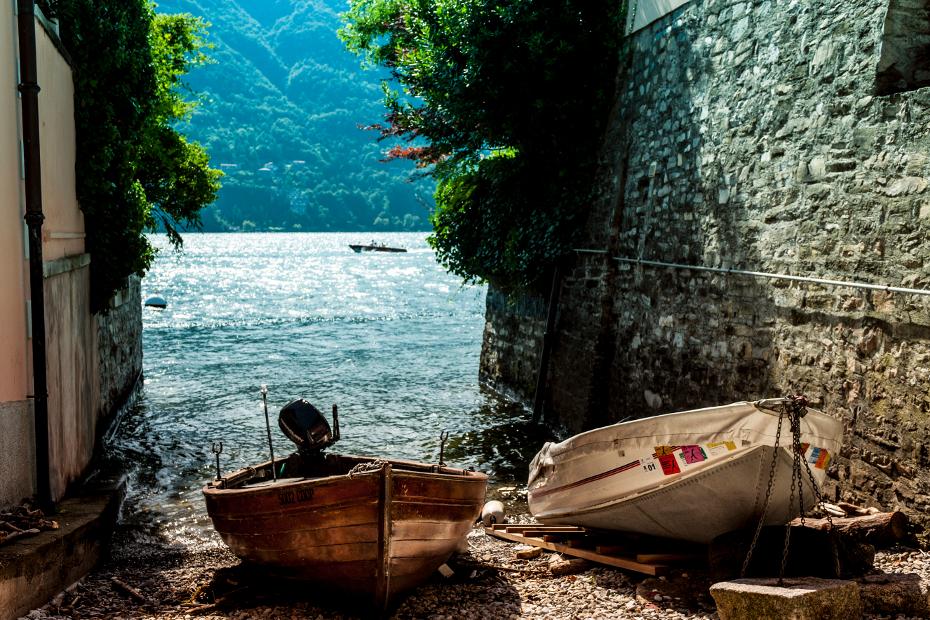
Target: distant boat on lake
[[374, 247]]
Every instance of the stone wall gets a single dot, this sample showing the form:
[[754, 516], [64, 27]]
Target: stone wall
[[119, 349], [751, 135], [513, 332]]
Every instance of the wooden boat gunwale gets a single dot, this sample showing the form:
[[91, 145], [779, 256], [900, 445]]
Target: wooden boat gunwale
[[231, 484]]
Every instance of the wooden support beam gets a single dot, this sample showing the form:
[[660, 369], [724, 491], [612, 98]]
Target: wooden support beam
[[587, 554]]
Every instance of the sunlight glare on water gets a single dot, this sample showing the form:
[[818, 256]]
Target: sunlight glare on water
[[391, 338]]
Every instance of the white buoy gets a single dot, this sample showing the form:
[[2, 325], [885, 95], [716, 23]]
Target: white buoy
[[493, 512], [156, 302]]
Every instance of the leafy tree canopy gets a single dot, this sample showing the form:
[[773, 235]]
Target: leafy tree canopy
[[135, 172], [506, 101]]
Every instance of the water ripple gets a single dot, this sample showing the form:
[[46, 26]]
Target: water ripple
[[391, 338]]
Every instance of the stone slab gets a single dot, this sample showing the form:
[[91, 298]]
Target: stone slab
[[893, 594], [806, 598], [35, 568]]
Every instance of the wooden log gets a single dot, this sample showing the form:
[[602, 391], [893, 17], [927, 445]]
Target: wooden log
[[881, 529], [852, 510], [128, 589]]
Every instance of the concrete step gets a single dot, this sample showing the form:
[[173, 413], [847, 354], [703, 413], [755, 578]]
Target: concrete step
[[33, 569]]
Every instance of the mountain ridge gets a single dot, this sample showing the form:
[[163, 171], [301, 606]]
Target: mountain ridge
[[282, 103]]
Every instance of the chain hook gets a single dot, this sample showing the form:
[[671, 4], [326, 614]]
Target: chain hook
[[795, 408]]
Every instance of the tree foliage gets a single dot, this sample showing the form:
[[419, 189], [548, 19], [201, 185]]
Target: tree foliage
[[506, 100], [135, 172]]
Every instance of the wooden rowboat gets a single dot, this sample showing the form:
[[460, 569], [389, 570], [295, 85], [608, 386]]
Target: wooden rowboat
[[369, 527]]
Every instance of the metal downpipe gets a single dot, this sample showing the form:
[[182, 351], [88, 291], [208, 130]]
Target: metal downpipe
[[29, 90]]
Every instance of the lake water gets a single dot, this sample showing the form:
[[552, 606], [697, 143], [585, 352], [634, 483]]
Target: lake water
[[392, 339]]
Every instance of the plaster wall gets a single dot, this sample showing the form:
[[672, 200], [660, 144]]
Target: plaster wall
[[17, 452], [63, 230], [751, 134], [71, 329], [73, 386], [76, 406], [13, 343]]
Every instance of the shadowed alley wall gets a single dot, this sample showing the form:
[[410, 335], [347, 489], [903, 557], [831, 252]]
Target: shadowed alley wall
[[754, 135]]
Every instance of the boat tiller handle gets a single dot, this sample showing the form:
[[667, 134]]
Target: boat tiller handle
[[442, 447], [217, 450]]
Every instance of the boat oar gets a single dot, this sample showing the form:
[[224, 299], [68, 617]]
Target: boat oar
[[274, 474]]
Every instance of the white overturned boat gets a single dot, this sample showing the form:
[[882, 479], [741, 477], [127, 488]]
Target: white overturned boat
[[692, 475]]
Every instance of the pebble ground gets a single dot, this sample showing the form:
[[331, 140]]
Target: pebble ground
[[144, 580]]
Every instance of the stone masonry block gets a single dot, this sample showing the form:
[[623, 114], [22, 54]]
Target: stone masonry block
[[804, 598], [894, 594]]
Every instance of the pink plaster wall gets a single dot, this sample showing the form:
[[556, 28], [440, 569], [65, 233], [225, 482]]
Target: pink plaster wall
[[71, 330], [13, 370]]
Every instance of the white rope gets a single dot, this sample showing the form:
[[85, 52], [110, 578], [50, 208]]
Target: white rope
[[764, 274]]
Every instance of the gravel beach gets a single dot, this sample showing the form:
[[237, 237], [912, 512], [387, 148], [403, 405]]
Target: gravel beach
[[146, 578]]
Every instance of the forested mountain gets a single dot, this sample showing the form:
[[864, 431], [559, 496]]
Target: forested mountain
[[282, 105]]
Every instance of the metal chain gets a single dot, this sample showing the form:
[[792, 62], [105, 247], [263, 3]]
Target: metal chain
[[830, 528], [799, 452], [765, 502], [795, 408]]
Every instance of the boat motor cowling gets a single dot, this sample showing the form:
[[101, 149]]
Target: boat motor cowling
[[306, 426]]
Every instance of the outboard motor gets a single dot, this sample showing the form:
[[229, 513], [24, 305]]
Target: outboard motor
[[307, 427]]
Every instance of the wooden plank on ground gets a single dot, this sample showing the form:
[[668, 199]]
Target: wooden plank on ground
[[538, 533], [670, 558], [537, 527], [613, 549], [579, 543], [616, 561]]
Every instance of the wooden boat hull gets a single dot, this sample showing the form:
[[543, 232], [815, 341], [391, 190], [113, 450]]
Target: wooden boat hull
[[692, 475], [375, 533]]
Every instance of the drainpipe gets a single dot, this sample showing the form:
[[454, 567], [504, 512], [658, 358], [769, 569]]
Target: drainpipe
[[29, 90]]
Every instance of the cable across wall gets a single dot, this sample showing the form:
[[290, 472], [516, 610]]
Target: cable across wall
[[761, 274]]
